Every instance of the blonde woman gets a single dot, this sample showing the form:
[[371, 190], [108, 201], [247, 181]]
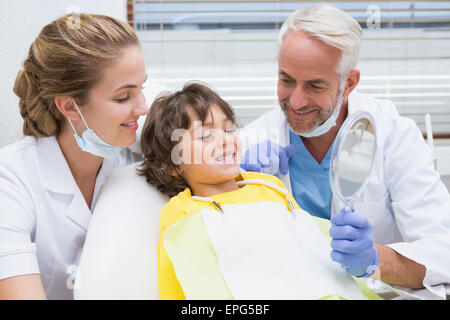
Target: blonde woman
[[80, 99]]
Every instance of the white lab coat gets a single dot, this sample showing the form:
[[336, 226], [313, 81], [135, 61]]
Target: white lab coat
[[43, 215], [405, 200]]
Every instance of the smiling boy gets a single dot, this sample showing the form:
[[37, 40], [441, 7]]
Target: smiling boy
[[192, 153]]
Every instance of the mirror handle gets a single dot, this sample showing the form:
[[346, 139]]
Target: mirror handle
[[348, 206]]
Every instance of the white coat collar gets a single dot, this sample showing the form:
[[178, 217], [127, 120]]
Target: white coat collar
[[350, 103], [56, 174], [358, 102], [284, 141], [57, 178]]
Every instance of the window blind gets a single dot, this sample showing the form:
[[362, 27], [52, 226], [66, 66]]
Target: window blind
[[232, 45]]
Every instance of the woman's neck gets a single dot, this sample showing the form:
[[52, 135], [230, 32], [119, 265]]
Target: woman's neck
[[83, 165], [207, 190]]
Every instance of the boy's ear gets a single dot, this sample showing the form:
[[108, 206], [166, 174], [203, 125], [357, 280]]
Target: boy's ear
[[176, 172]]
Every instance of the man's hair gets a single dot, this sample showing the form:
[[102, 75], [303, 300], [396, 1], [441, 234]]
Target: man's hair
[[168, 113], [332, 26]]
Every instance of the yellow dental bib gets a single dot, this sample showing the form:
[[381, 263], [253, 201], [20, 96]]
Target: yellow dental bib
[[252, 250]]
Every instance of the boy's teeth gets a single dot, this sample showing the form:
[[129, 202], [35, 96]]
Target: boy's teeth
[[225, 158]]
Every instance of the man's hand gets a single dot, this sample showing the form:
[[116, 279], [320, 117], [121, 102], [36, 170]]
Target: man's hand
[[268, 157], [352, 243]]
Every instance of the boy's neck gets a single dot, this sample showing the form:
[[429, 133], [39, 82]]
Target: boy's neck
[[208, 190]]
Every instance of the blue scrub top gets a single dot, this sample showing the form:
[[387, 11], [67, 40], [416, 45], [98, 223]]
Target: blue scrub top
[[310, 180]]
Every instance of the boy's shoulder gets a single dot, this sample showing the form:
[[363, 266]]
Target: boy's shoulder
[[177, 207], [180, 203], [179, 200]]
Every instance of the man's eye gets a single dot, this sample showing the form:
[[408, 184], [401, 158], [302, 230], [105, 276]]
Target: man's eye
[[316, 87], [287, 80]]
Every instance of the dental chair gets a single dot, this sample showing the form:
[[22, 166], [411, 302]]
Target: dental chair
[[119, 258]]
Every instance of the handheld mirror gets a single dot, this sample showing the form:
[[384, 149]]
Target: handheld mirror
[[352, 157]]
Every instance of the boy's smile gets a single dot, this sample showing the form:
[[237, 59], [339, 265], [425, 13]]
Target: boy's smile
[[216, 143]]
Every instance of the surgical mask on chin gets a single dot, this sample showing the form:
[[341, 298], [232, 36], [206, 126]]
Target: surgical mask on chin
[[91, 142], [329, 123]]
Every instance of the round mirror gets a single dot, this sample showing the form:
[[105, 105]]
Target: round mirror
[[352, 157]]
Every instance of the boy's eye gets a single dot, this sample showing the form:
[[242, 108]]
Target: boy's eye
[[205, 137]]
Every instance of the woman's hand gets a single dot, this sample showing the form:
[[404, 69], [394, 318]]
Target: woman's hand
[[24, 287]]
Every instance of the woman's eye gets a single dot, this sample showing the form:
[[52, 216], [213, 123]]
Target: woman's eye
[[233, 130], [121, 100]]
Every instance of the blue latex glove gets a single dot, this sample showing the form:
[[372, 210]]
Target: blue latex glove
[[352, 243], [268, 157]]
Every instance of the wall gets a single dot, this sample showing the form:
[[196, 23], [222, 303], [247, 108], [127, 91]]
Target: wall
[[20, 23], [22, 20]]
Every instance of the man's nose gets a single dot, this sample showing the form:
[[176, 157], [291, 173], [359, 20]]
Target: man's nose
[[298, 98]]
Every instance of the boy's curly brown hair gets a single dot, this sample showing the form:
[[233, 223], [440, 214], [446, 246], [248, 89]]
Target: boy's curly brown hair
[[168, 113]]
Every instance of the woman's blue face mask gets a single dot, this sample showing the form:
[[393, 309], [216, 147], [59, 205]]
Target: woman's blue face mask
[[91, 142]]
